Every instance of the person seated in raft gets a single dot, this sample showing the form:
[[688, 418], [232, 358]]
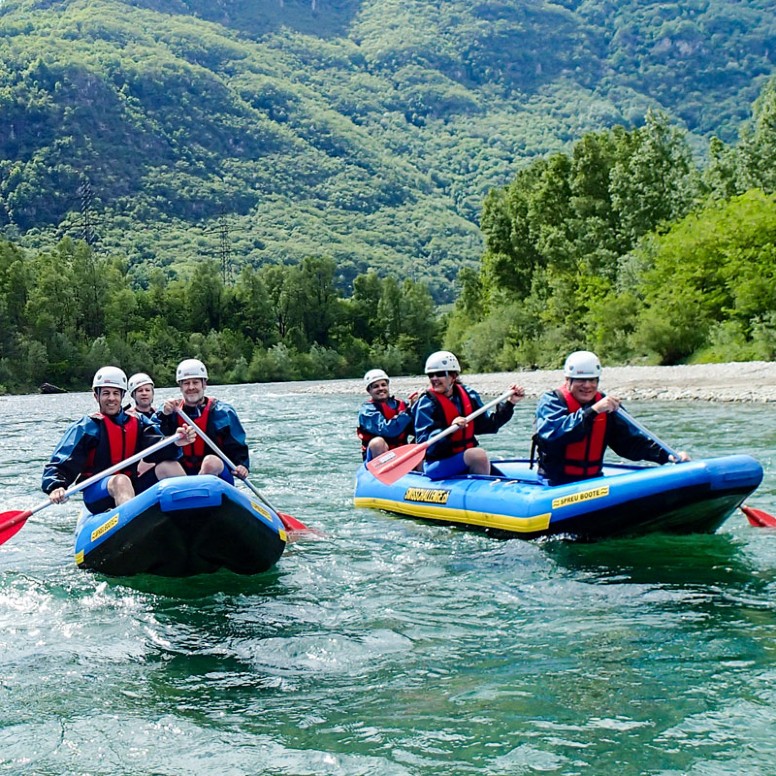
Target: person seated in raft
[[216, 418], [105, 438], [384, 422], [141, 391], [576, 423], [447, 402]]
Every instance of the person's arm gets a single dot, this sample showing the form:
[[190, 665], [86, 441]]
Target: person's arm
[[230, 434], [373, 421], [429, 421], [69, 457], [555, 426], [150, 434], [166, 418], [628, 442], [490, 422]]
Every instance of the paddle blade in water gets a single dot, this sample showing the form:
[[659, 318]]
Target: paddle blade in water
[[11, 523], [291, 523], [759, 518], [297, 529], [394, 464]]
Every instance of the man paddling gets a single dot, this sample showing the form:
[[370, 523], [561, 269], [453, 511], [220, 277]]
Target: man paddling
[[216, 418], [384, 422], [576, 423], [446, 403], [104, 438]]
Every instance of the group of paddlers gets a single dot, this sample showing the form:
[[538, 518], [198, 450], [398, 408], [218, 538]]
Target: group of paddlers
[[574, 424]]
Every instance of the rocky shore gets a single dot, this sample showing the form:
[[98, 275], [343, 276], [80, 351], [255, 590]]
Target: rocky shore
[[753, 381]]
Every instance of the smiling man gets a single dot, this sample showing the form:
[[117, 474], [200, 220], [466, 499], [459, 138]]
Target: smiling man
[[216, 418], [98, 441], [384, 422], [576, 423]]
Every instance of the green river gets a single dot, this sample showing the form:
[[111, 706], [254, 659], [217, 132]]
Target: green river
[[390, 646]]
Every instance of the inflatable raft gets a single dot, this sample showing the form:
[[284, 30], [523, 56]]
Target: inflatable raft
[[180, 527], [691, 497]]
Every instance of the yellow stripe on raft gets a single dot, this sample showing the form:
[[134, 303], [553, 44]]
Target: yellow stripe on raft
[[484, 519]]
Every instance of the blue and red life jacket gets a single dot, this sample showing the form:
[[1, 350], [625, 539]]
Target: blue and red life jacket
[[462, 439], [117, 443], [388, 413], [194, 453], [585, 458]]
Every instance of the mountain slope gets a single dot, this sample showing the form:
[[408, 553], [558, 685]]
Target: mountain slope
[[268, 130]]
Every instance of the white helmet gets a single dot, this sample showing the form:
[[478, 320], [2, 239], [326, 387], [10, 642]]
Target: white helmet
[[190, 368], [582, 363], [373, 375], [442, 361], [110, 377], [141, 378]]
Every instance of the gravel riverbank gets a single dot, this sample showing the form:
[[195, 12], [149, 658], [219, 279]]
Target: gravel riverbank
[[753, 381]]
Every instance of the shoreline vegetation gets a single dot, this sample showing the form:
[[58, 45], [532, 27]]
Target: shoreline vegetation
[[752, 381]]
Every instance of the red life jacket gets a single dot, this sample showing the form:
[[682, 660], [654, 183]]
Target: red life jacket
[[462, 439], [194, 453], [585, 458], [122, 442], [388, 413]]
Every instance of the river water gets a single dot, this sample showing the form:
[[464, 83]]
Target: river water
[[390, 646]]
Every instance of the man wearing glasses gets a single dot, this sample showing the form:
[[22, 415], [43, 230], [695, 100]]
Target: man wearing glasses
[[384, 422], [447, 402], [576, 423]]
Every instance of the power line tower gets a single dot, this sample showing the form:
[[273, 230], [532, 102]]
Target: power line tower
[[86, 196], [224, 249]]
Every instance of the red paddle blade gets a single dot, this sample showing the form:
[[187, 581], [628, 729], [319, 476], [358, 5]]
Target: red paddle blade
[[296, 528], [759, 518], [11, 523], [291, 523], [394, 464]]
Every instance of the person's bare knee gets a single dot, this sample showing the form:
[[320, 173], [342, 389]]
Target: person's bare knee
[[166, 469], [120, 489], [477, 460], [377, 447], [211, 464]]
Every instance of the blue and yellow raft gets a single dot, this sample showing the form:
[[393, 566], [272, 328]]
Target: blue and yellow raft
[[180, 527], [627, 500]]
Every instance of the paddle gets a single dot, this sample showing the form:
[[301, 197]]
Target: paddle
[[394, 464], [628, 418], [756, 517], [12, 522], [290, 522]]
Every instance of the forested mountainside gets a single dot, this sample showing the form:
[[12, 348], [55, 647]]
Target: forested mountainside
[[367, 131]]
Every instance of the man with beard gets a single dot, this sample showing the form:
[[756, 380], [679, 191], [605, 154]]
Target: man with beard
[[216, 418]]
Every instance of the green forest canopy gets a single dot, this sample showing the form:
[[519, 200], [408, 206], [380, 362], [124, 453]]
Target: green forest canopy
[[260, 132]]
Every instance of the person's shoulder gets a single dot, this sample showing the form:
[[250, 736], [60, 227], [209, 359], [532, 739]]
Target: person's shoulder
[[426, 399], [223, 408], [87, 425], [468, 389]]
